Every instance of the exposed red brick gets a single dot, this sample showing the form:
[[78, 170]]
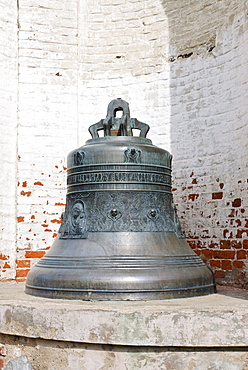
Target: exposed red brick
[[64, 168], [226, 265], [60, 204], [245, 244], [218, 195], [44, 225], [240, 233], [20, 219], [6, 266], [198, 252], [34, 254], [232, 214], [225, 244], [223, 254], [32, 217], [54, 235], [215, 263], [205, 234], [22, 263], [38, 183], [225, 233], [213, 245], [235, 244], [193, 196], [221, 185], [236, 202], [2, 350], [219, 274], [3, 257], [56, 221], [24, 184], [238, 264], [238, 222], [27, 193], [1, 363], [192, 244], [241, 255], [194, 181], [22, 273], [195, 243], [48, 230], [208, 253]]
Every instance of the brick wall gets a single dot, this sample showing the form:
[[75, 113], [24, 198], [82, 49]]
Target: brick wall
[[8, 136], [47, 128], [209, 130], [181, 66]]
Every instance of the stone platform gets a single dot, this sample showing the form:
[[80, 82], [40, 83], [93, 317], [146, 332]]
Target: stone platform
[[209, 332]]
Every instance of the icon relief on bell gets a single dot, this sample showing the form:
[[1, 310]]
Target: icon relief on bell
[[132, 155], [79, 158], [74, 222]]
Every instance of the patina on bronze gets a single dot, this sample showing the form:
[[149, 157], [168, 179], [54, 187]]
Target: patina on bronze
[[120, 238]]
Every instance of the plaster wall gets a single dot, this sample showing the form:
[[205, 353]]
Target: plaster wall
[[182, 68]]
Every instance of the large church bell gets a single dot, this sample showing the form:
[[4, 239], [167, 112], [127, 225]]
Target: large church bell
[[120, 237]]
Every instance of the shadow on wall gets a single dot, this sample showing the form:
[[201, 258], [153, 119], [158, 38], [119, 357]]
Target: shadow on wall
[[208, 88]]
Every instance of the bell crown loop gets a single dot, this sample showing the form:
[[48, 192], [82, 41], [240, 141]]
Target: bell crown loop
[[118, 126]]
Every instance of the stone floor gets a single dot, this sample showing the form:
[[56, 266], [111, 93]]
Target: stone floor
[[203, 333]]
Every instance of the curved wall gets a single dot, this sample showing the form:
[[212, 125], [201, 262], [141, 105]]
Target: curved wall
[[209, 131], [123, 49]]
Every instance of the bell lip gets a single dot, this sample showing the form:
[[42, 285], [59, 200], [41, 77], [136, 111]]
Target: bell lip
[[126, 139], [121, 295]]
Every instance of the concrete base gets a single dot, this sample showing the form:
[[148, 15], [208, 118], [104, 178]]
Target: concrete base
[[209, 332]]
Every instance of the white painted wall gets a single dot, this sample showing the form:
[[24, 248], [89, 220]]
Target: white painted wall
[[209, 133], [8, 135]]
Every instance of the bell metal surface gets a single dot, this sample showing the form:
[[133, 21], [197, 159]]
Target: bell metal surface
[[120, 237]]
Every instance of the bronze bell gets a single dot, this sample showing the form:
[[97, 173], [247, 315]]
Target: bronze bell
[[120, 237]]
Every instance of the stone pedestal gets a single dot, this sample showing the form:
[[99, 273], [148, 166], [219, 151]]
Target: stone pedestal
[[209, 332]]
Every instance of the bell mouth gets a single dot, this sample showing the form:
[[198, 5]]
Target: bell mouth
[[121, 266]]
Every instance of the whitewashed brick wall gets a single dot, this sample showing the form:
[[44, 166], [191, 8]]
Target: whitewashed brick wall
[[47, 120], [209, 135], [182, 68], [8, 136]]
